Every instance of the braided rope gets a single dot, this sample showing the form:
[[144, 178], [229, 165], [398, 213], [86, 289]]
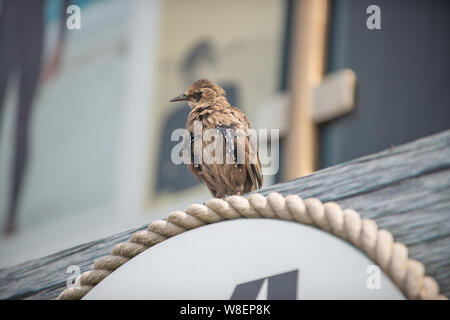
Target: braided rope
[[379, 245]]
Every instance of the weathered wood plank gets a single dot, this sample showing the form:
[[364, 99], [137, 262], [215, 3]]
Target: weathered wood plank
[[405, 189]]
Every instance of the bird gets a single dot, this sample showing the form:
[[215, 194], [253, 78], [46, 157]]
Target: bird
[[240, 171]]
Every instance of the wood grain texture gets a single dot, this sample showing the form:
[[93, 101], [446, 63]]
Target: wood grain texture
[[405, 189]]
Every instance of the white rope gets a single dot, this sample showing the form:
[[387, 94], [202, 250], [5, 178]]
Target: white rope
[[379, 245]]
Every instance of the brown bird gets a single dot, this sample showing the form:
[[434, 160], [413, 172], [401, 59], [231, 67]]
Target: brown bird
[[211, 109]]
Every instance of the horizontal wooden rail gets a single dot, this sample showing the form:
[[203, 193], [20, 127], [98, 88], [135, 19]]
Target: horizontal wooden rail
[[405, 189]]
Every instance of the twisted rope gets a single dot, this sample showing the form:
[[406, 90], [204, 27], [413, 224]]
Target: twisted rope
[[379, 245]]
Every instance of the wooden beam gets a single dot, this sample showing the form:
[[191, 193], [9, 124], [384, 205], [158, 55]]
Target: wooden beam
[[307, 68], [335, 96], [405, 189]]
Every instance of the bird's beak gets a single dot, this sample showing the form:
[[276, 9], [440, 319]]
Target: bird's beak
[[181, 97]]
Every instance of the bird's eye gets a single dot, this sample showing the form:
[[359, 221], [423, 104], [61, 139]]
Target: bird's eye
[[197, 96]]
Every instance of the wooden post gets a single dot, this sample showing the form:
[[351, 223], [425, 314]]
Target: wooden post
[[307, 68]]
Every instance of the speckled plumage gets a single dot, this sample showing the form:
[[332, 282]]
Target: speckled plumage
[[211, 108]]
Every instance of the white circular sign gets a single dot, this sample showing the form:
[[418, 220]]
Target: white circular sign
[[249, 259]]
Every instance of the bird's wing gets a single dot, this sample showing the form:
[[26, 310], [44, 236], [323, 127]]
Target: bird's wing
[[252, 163], [253, 166], [255, 173]]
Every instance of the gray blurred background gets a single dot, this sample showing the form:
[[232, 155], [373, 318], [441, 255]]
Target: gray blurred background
[[95, 124]]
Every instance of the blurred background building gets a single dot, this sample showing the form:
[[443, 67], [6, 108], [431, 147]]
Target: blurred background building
[[99, 122]]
